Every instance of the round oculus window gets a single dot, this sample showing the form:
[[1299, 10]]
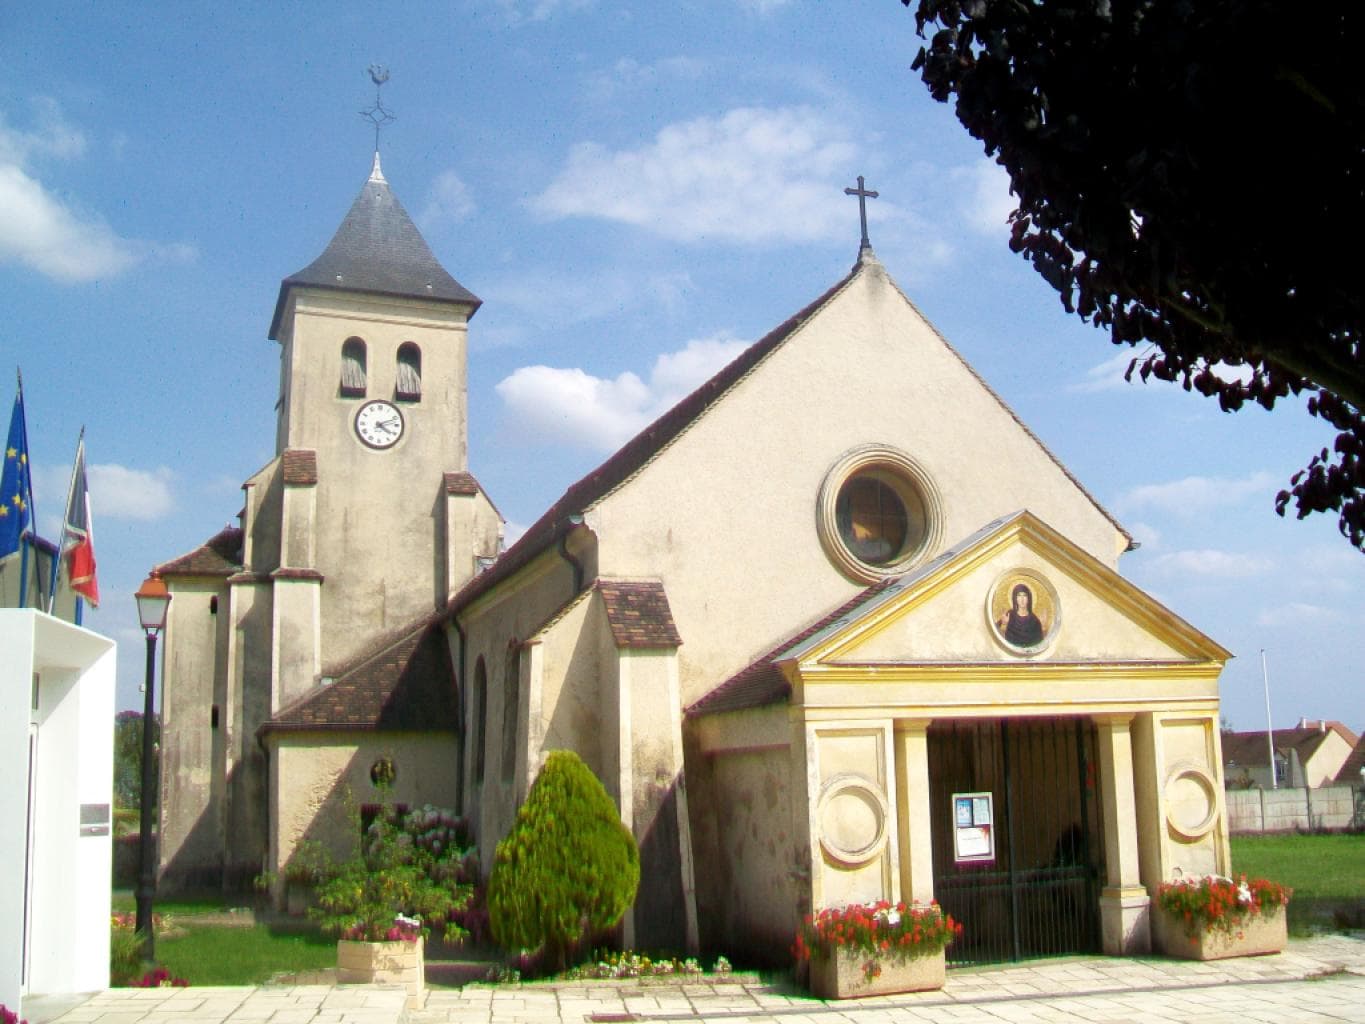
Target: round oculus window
[[877, 513]]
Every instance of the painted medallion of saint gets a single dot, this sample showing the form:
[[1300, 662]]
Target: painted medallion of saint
[[1023, 611]]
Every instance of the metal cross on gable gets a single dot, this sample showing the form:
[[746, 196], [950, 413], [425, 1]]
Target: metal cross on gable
[[863, 195]]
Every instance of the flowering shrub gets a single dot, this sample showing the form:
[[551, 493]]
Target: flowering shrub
[[159, 977], [9, 1016], [409, 872], [878, 930], [611, 964], [403, 929], [1215, 903]]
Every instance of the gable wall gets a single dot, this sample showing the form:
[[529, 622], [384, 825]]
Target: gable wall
[[726, 517]]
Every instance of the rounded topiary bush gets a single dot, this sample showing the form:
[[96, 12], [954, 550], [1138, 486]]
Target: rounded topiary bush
[[567, 870]]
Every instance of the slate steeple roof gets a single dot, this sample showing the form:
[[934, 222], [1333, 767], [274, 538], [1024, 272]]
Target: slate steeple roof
[[379, 250]]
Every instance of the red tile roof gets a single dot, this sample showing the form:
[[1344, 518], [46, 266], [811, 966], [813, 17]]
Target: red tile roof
[[1350, 771], [300, 467], [639, 613], [220, 555], [403, 684], [461, 483], [1248, 749]]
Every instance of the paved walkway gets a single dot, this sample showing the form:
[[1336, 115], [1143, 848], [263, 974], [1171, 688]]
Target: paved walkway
[[1318, 979]]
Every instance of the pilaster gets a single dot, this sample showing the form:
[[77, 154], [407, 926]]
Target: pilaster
[[913, 819], [1124, 903]]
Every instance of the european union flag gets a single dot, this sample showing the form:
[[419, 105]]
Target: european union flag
[[16, 491]]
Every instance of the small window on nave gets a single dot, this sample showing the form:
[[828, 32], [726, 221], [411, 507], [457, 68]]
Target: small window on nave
[[353, 368], [511, 708], [480, 713], [409, 385]]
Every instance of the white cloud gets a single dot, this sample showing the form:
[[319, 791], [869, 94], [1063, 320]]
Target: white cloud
[[1108, 375], [755, 175], [630, 75], [1298, 613], [550, 299], [1195, 495], [987, 200], [574, 407], [122, 493], [1211, 562], [448, 201], [1145, 535], [51, 236], [512, 532], [764, 6], [523, 12]]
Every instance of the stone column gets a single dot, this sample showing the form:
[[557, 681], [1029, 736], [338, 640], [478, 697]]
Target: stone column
[[1124, 902], [912, 810]]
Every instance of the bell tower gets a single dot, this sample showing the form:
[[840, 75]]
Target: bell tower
[[362, 522]]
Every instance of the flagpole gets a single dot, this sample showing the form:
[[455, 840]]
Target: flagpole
[[61, 537], [27, 475]]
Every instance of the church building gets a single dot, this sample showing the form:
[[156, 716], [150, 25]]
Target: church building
[[837, 627]]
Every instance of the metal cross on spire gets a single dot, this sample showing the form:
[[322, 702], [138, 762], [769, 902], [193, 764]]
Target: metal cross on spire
[[863, 195], [378, 115]]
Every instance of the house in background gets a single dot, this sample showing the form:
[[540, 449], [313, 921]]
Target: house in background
[[1310, 754], [1352, 770]]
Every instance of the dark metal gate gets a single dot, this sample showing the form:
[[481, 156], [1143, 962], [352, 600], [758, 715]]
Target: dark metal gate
[[1039, 896]]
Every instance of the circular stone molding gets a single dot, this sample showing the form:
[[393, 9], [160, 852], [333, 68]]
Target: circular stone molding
[[878, 513], [1020, 635], [1191, 802], [851, 816]]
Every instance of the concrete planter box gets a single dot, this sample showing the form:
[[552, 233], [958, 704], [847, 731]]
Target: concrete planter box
[[1258, 935], [843, 974], [384, 963]]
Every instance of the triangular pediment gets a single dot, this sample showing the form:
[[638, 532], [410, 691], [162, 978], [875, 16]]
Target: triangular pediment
[[1072, 610]]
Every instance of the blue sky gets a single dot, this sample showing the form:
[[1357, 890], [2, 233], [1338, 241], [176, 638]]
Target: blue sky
[[635, 191]]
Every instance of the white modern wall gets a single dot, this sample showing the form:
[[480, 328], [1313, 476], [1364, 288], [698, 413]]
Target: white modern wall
[[57, 762]]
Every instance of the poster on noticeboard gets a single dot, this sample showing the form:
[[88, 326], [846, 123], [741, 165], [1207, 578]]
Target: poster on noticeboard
[[973, 827]]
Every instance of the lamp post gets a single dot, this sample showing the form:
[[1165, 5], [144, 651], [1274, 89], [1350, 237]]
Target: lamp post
[[153, 599], [1269, 729]]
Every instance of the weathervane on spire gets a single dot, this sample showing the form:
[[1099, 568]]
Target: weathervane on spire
[[378, 115]]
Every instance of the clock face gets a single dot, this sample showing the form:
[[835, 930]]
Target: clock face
[[379, 424]]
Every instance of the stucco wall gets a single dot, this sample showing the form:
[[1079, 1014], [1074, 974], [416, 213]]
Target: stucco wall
[[866, 369], [510, 615], [750, 896], [193, 670], [327, 777], [380, 515]]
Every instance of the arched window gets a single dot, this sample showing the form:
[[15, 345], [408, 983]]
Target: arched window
[[353, 368], [409, 387], [480, 716], [511, 707]]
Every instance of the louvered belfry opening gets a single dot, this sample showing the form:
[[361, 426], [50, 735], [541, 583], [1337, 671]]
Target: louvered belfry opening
[[1039, 895]]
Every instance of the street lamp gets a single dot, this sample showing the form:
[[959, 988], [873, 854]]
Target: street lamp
[[153, 599]]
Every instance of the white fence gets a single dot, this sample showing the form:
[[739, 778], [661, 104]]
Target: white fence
[[1284, 810]]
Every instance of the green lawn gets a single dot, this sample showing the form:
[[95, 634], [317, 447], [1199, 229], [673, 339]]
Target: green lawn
[[221, 955], [205, 951], [1316, 867], [1326, 872]]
